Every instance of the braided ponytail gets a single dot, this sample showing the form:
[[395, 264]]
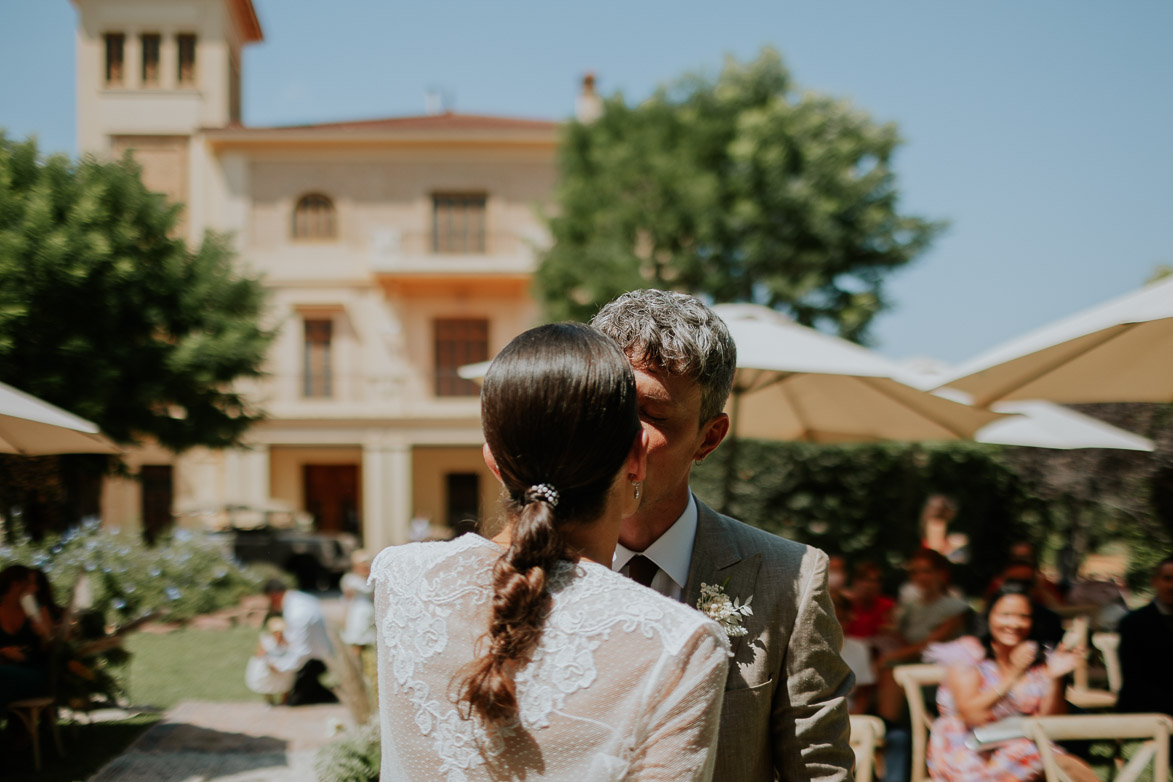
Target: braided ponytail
[[520, 603], [559, 415]]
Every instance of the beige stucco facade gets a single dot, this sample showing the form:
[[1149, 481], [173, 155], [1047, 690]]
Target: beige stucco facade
[[383, 440]]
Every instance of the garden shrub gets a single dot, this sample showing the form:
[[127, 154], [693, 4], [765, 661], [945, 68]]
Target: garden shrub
[[352, 757], [177, 579]]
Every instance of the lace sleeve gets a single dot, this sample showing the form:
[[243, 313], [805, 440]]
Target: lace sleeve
[[678, 741]]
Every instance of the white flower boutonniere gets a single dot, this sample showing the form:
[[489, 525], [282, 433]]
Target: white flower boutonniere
[[723, 610]]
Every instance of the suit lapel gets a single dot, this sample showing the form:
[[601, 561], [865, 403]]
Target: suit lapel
[[717, 559]]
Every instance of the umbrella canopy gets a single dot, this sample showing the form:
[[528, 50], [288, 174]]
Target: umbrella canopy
[[796, 383], [29, 426], [1118, 351], [1046, 425], [1036, 423]]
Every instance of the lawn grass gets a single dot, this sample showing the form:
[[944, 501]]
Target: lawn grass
[[205, 665]]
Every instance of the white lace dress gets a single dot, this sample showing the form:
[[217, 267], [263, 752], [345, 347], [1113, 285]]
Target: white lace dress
[[625, 684]]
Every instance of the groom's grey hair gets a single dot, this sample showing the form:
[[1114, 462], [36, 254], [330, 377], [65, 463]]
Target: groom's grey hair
[[675, 333]]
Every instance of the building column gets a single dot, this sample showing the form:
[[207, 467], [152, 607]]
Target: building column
[[386, 482], [247, 475]]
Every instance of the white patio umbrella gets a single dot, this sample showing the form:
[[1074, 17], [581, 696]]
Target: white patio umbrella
[[1046, 425], [797, 384], [1037, 423], [30, 426], [1119, 351]]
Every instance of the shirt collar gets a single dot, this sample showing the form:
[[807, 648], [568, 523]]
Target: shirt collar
[[672, 551]]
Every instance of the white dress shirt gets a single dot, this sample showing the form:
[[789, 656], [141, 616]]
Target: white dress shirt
[[305, 632], [672, 553]]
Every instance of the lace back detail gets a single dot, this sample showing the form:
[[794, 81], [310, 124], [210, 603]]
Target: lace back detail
[[432, 602]]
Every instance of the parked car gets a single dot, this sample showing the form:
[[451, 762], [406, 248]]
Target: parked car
[[279, 535]]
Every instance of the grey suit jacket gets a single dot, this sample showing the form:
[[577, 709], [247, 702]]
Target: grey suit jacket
[[785, 708]]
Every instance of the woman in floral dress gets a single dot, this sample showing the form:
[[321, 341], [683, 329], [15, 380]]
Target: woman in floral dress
[[1004, 674]]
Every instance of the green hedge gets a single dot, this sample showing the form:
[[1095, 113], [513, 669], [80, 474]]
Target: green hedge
[[864, 501]]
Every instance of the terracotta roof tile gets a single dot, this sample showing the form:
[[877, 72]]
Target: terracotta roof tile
[[445, 121]]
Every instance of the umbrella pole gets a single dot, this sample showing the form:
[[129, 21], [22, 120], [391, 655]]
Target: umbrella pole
[[730, 457]]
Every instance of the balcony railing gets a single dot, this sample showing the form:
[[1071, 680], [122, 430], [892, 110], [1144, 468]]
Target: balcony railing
[[347, 390], [413, 252]]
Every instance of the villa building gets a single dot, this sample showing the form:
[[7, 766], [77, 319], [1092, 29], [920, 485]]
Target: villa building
[[395, 251]]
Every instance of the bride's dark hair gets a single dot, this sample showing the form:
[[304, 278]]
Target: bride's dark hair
[[559, 414]]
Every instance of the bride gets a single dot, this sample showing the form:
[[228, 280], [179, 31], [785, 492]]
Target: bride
[[525, 656]]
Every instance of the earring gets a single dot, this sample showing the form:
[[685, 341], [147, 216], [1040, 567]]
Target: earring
[[698, 461], [637, 485]]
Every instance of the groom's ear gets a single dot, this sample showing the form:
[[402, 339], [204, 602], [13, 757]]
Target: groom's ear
[[713, 432], [491, 463]]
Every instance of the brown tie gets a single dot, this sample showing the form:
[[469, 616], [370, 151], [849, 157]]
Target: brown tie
[[642, 570]]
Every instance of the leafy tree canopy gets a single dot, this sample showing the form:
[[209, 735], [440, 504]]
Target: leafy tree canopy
[[741, 189], [105, 313]]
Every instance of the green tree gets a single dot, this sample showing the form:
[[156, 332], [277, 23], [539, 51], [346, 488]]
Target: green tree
[[741, 189], [106, 314]]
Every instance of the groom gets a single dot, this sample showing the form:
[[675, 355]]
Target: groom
[[785, 706]]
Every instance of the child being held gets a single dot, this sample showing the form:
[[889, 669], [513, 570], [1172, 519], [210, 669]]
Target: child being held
[[259, 675]]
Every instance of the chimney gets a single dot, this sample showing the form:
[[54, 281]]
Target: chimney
[[433, 102], [588, 107]]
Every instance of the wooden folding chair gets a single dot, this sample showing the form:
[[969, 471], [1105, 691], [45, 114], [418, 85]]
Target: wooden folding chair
[[867, 733], [1079, 693], [1109, 646], [914, 678], [1152, 729], [30, 711]]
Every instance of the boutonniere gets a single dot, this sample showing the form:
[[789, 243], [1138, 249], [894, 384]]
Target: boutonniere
[[725, 611]]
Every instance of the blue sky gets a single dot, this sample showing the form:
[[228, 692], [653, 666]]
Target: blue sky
[[1041, 130]]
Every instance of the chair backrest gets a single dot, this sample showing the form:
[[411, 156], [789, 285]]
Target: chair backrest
[[1076, 638], [867, 732], [1155, 729], [1109, 646], [1079, 692], [914, 678]]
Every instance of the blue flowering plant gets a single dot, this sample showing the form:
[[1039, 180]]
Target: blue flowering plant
[[176, 579]]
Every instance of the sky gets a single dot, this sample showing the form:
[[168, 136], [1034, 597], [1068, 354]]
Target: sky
[[1041, 131]]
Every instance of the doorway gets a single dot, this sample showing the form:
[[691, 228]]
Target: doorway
[[157, 495], [332, 497]]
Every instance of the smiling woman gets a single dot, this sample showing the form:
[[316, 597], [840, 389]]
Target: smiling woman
[[1004, 675]]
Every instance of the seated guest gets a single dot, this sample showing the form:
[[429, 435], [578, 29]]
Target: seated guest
[[23, 661], [1023, 565], [858, 656], [930, 617], [1002, 675], [1146, 646], [41, 606], [871, 611], [837, 576]]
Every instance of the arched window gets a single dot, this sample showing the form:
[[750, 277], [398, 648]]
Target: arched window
[[313, 217]]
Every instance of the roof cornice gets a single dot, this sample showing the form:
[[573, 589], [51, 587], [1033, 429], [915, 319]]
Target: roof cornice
[[246, 18]]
